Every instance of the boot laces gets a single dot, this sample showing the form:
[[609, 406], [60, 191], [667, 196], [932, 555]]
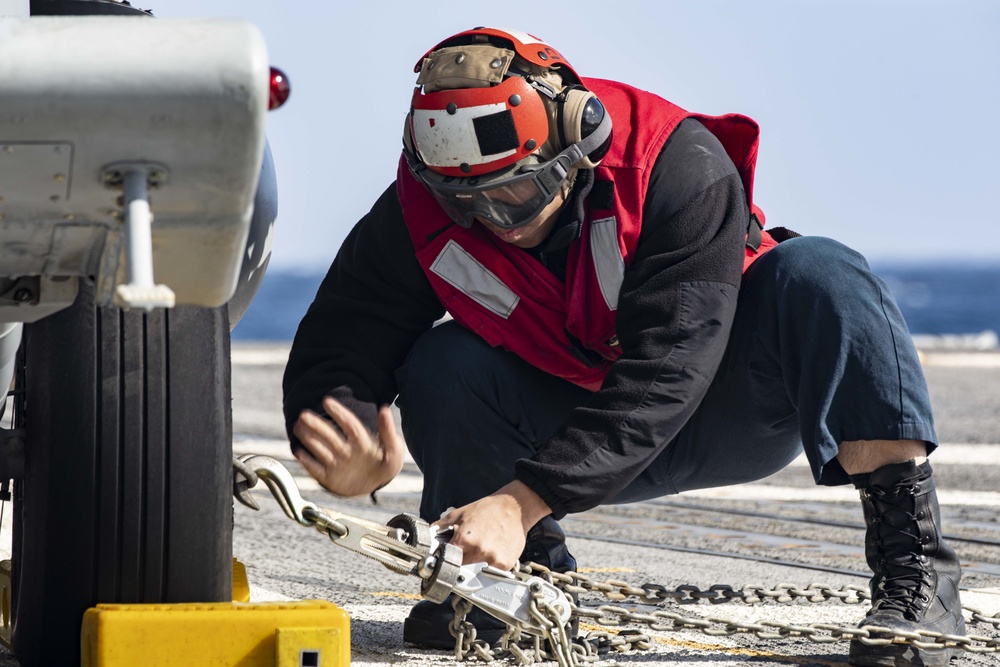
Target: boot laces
[[904, 571]]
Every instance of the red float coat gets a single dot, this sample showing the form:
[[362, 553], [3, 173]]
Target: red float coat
[[511, 300]]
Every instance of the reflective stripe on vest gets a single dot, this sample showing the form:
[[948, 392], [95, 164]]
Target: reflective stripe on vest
[[608, 262], [461, 270]]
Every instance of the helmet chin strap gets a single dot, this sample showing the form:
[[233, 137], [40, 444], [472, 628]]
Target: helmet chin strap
[[570, 224]]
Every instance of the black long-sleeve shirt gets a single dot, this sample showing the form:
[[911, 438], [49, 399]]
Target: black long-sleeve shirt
[[675, 311]]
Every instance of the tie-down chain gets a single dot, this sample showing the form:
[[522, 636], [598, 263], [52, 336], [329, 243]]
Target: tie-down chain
[[537, 604]]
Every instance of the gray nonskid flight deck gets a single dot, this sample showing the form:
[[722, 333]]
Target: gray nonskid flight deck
[[781, 530]]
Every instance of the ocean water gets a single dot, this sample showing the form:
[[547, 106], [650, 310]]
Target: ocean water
[[946, 299], [943, 299]]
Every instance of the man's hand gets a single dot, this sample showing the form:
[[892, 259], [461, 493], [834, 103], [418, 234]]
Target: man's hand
[[348, 462], [493, 529]]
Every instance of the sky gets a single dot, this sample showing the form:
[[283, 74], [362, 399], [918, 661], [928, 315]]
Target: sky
[[878, 118]]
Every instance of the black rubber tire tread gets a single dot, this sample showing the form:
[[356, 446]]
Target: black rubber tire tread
[[128, 468]]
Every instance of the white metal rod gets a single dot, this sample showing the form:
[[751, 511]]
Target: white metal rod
[[10, 339], [138, 231]]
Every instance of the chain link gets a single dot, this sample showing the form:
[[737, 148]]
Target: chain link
[[558, 637], [589, 648]]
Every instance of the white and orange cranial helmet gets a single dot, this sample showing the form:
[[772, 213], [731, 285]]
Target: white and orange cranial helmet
[[497, 121]]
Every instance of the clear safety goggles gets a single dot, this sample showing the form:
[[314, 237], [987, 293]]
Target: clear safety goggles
[[508, 199]]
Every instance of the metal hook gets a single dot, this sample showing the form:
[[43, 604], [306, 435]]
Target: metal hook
[[282, 486], [244, 479]]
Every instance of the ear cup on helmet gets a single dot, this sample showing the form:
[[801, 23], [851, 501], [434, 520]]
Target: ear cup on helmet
[[580, 114]]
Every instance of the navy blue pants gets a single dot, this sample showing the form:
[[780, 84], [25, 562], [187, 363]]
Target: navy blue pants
[[819, 354]]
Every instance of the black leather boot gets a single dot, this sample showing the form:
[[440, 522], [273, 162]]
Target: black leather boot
[[915, 586], [426, 626], [546, 545]]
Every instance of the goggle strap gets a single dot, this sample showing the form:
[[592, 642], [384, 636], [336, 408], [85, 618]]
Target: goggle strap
[[592, 141], [549, 179]]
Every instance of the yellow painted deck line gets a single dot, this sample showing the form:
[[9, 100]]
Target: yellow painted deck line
[[396, 594], [589, 570]]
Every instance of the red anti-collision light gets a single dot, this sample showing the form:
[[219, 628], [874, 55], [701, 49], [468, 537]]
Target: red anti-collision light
[[280, 89]]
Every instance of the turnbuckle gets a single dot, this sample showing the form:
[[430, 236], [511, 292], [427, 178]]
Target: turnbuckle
[[515, 598]]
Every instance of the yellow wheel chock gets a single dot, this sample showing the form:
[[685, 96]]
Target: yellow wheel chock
[[311, 633], [241, 585]]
